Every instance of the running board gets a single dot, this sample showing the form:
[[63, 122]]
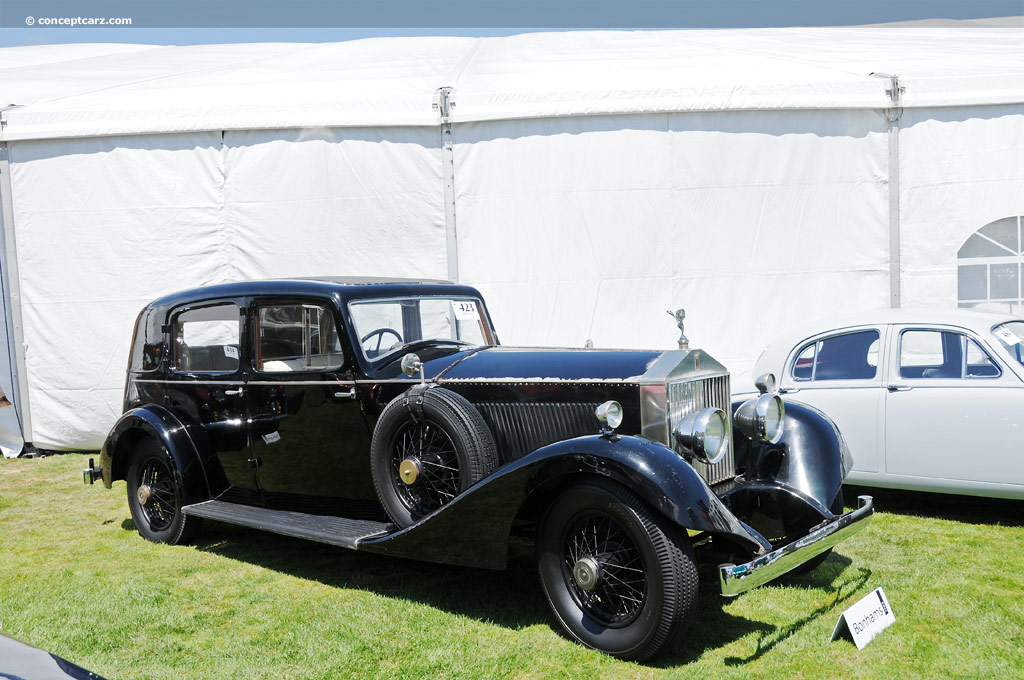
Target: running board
[[323, 528]]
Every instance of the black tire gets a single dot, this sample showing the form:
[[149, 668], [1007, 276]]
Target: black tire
[[158, 518], [629, 614], [450, 444], [810, 565]]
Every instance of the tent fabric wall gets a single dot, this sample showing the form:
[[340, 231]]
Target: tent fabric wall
[[961, 168], [601, 178], [750, 221], [107, 224]]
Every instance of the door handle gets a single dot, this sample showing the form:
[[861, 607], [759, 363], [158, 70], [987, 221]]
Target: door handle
[[234, 393], [899, 388], [351, 394], [788, 390]]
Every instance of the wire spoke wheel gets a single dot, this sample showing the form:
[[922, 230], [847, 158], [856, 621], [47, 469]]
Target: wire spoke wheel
[[439, 475], [621, 590], [154, 496], [161, 504], [619, 576], [429, 445]]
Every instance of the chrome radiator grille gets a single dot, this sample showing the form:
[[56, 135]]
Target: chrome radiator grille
[[686, 397]]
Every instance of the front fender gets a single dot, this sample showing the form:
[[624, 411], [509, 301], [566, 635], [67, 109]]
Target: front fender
[[473, 529], [163, 426], [810, 458]]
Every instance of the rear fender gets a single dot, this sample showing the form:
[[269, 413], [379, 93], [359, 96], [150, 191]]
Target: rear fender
[[163, 426], [473, 529]]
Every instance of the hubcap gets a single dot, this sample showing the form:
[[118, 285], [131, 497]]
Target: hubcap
[[144, 494], [587, 573], [409, 470]]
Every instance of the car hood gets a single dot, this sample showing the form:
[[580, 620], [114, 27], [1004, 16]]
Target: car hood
[[531, 364]]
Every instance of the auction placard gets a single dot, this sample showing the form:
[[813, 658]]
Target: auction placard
[[865, 619]]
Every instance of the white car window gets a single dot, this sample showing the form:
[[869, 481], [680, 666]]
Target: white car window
[[933, 354], [849, 356], [1011, 335]]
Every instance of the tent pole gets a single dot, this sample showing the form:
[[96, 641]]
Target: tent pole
[[443, 104], [892, 117], [10, 282]]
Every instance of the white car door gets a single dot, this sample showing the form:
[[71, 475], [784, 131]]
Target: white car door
[[839, 373], [954, 414]]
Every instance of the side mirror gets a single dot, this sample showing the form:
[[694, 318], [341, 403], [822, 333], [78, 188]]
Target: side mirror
[[411, 365]]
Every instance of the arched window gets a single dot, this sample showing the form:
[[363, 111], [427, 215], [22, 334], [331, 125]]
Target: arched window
[[989, 267]]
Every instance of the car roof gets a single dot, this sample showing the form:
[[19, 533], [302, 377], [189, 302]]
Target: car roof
[[344, 288], [978, 321]]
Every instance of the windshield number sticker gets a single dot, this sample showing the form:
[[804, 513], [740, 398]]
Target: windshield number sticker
[[1006, 336], [465, 310], [231, 351]]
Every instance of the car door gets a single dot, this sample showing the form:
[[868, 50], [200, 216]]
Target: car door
[[309, 437], [207, 382], [838, 373], [953, 412]]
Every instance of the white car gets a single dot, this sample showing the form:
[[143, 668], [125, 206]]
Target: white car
[[930, 400]]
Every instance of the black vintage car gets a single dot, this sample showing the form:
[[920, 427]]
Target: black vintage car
[[385, 416]]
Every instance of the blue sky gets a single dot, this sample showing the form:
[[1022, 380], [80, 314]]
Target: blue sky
[[185, 22]]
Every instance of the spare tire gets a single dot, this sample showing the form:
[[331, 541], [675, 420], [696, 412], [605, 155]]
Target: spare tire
[[425, 453]]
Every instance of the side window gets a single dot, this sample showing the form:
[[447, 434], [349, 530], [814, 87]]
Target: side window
[[930, 354], [851, 356], [979, 363], [296, 338], [207, 339]]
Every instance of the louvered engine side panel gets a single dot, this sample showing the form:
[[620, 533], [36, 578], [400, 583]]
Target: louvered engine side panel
[[519, 429], [686, 397]]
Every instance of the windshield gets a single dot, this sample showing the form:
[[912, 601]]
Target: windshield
[[1011, 335], [388, 325]]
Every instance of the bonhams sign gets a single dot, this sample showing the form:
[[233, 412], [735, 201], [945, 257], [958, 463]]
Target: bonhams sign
[[866, 619]]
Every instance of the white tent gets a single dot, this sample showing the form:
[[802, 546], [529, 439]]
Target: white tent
[[585, 181]]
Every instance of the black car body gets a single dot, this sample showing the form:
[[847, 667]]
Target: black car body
[[22, 661], [384, 416]]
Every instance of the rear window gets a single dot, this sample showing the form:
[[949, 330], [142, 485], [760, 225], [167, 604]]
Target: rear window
[[208, 339], [850, 356], [148, 344]]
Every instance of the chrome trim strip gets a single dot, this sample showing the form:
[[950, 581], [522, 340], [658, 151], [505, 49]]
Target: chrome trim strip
[[345, 383], [189, 382], [739, 578], [534, 381]]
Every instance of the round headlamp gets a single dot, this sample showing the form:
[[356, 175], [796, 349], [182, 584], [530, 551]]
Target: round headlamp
[[704, 435], [761, 418], [609, 414]]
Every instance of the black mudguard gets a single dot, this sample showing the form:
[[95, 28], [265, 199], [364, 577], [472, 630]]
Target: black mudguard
[[473, 529], [162, 425], [792, 485]]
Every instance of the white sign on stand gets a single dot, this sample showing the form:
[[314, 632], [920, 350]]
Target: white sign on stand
[[865, 619]]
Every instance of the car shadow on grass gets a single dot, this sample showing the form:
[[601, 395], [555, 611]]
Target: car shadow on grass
[[511, 598], [957, 508], [714, 626]]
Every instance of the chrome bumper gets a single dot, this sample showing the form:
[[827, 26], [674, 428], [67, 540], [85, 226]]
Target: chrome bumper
[[739, 578]]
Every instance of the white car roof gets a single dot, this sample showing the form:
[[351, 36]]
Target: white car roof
[[980, 322]]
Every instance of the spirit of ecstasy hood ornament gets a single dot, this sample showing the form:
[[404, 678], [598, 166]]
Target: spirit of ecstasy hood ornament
[[679, 315]]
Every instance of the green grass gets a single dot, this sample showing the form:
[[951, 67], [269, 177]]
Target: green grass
[[76, 579]]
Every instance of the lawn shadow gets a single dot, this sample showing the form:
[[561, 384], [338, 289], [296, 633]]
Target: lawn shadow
[[842, 592], [713, 626], [511, 598], [957, 508]]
